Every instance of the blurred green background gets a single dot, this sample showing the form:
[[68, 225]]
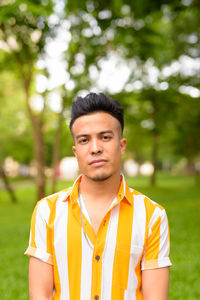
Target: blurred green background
[[144, 53]]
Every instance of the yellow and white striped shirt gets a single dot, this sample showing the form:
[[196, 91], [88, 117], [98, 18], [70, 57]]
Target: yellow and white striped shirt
[[133, 236]]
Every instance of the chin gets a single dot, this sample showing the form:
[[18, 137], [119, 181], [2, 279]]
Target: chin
[[100, 177]]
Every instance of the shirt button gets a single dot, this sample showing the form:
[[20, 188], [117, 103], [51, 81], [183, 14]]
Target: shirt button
[[97, 257], [96, 297]]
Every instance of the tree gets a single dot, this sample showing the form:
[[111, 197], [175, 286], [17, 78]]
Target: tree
[[186, 141], [9, 120], [23, 30]]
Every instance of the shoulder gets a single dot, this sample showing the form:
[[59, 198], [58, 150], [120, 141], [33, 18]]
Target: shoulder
[[151, 207], [51, 201]]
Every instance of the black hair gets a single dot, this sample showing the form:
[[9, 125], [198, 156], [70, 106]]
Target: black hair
[[96, 102]]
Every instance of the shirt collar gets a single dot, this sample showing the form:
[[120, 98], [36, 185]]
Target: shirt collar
[[123, 192]]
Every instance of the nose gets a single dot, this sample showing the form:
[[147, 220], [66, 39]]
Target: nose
[[95, 147]]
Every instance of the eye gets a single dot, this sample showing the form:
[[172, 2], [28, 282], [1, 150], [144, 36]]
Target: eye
[[83, 141], [106, 137]]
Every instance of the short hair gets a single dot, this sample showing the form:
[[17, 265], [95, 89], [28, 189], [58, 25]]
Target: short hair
[[96, 102]]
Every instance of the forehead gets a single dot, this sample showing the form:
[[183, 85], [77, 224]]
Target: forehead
[[95, 122]]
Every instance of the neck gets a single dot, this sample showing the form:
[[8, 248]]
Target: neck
[[99, 190]]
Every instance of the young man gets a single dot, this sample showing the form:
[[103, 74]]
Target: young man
[[99, 239]]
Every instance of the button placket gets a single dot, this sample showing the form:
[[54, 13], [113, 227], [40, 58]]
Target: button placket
[[99, 247]]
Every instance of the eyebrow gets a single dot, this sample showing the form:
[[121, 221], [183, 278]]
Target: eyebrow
[[86, 135]]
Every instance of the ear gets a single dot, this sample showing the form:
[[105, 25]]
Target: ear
[[123, 145], [74, 150]]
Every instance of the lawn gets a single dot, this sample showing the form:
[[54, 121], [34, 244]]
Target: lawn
[[178, 195]]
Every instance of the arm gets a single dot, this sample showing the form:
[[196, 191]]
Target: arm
[[155, 284], [40, 280]]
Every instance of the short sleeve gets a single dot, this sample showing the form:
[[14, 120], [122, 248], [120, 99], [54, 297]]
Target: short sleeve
[[157, 246], [39, 240]]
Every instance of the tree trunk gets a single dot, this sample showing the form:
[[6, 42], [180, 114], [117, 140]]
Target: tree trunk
[[56, 152], [40, 159], [154, 158], [155, 140], [190, 167], [38, 148], [7, 185], [26, 77]]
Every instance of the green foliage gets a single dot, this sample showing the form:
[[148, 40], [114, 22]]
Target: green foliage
[[186, 31], [23, 31], [15, 132], [23, 27], [141, 8], [187, 127]]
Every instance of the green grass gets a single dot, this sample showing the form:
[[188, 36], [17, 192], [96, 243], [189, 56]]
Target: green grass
[[179, 196]]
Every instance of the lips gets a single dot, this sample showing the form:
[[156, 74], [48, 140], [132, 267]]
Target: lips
[[98, 162]]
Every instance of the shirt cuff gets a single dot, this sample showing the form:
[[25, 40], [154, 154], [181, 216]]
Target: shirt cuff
[[41, 254], [156, 263]]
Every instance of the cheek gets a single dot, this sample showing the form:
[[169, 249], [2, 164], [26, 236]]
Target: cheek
[[81, 157], [116, 153]]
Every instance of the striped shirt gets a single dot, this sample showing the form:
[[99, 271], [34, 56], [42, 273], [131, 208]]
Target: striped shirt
[[133, 236]]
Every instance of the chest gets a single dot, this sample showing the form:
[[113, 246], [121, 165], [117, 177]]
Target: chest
[[123, 225], [96, 216], [109, 259], [96, 212]]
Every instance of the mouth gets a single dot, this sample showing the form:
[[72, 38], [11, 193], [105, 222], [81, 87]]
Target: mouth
[[98, 163]]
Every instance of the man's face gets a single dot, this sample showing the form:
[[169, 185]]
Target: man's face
[[98, 145]]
